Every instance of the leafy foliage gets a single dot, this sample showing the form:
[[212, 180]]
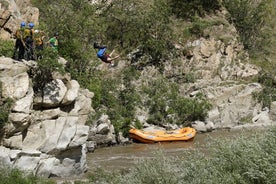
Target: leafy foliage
[[6, 48], [198, 26], [146, 26], [190, 8], [94, 81], [139, 24], [268, 94], [156, 39], [166, 105], [120, 103], [116, 100], [42, 74], [119, 21], [75, 23], [14, 176], [5, 106], [250, 20]]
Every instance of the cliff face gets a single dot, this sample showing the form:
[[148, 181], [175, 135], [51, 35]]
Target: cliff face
[[12, 13], [47, 141], [47, 135], [53, 140]]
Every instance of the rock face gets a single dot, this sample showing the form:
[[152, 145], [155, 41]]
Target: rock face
[[47, 136], [221, 71], [12, 13], [102, 132], [50, 141]]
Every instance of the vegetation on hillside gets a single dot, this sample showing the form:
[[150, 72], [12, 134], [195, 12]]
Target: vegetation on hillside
[[129, 25], [268, 94], [255, 23], [149, 27], [15, 176], [42, 74], [5, 108], [6, 48]]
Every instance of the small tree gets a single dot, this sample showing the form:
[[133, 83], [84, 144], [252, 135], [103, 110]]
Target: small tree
[[250, 20], [156, 40], [75, 22], [42, 74]]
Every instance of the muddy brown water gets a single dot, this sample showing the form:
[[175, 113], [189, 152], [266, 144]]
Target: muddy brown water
[[126, 156]]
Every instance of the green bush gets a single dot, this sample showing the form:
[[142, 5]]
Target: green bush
[[74, 20], [198, 26], [250, 20], [157, 33], [120, 105], [188, 9], [167, 105], [268, 93], [14, 176], [93, 80], [42, 74], [111, 99], [6, 48], [139, 24], [5, 107]]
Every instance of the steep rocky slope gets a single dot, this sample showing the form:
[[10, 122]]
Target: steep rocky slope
[[55, 138]]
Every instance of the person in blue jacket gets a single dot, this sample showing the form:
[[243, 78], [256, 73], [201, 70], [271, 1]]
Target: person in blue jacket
[[104, 56]]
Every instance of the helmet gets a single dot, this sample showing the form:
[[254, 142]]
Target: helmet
[[31, 25], [23, 24]]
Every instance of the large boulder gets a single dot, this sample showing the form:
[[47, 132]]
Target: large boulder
[[50, 139], [232, 103], [102, 132]]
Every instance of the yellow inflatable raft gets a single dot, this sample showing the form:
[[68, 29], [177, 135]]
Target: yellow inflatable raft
[[153, 136]]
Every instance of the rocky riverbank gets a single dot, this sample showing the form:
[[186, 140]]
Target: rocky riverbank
[[48, 134]]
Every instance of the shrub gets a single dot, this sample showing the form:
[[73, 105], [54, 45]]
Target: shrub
[[188, 9], [14, 176], [167, 105], [198, 26], [75, 22], [6, 48], [250, 20], [268, 93], [42, 74], [94, 81], [5, 107], [120, 105]]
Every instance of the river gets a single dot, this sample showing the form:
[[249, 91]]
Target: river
[[126, 156]]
